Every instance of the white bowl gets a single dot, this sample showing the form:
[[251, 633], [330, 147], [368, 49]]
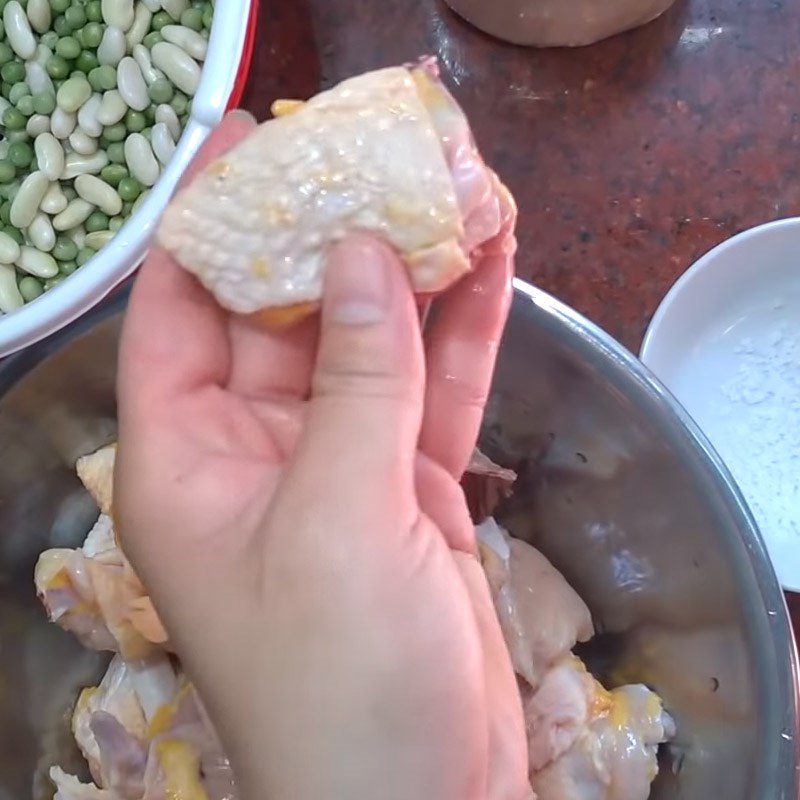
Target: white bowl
[[222, 78], [726, 341]]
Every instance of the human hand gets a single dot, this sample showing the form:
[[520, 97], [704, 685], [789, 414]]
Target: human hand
[[291, 500]]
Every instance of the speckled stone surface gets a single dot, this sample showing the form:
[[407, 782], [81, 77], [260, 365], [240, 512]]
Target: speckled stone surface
[[628, 159]]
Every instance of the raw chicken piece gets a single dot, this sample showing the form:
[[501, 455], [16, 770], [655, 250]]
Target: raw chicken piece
[[389, 152], [541, 616], [94, 593], [68, 787], [96, 472], [614, 756]]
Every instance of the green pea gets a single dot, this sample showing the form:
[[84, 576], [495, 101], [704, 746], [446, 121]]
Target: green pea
[[113, 173], [207, 16], [135, 121], [17, 136], [147, 133], [20, 154], [49, 39], [14, 233], [2, 30], [84, 254], [103, 78], [50, 283], [160, 91], [13, 120], [59, 6], [114, 224], [61, 26], [129, 189], [5, 212], [152, 39], [150, 114], [18, 90], [68, 47], [57, 67], [44, 103], [115, 133], [180, 103], [69, 192], [6, 53], [7, 172], [13, 72], [96, 221], [94, 11], [65, 249], [25, 105], [67, 267], [116, 153], [192, 18], [30, 288], [159, 20], [75, 17], [86, 61], [92, 34], [5, 88], [126, 209], [78, 36]]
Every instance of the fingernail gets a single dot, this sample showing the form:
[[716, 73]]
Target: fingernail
[[242, 114], [357, 282]]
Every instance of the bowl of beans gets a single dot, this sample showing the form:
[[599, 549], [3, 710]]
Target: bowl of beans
[[103, 103]]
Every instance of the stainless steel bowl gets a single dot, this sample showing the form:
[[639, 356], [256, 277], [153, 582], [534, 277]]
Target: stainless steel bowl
[[616, 486]]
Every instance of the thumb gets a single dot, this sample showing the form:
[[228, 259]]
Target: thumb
[[367, 388]]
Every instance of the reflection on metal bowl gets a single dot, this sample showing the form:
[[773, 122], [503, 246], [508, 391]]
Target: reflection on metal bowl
[[616, 487]]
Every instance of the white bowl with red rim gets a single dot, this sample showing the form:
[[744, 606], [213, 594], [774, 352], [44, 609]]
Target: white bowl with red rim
[[222, 82]]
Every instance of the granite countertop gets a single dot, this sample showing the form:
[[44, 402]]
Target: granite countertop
[[628, 159]]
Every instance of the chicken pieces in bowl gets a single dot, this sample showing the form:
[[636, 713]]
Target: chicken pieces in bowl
[[144, 731]]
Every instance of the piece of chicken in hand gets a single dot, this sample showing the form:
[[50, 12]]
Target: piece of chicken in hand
[[541, 615], [388, 152]]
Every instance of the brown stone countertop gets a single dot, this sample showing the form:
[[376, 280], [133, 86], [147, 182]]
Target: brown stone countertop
[[629, 159]]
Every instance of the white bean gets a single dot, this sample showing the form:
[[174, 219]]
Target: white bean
[[112, 108], [74, 214], [26, 203], [54, 200], [18, 30], [43, 52], [75, 164], [98, 239], [141, 25], [62, 123], [131, 85], [10, 297], [138, 202], [87, 115], [78, 235], [152, 5], [33, 261], [161, 142], [175, 7], [37, 78], [41, 233], [36, 124], [82, 143], [141, 55], [39, 15], [141, 162], [177, 65], [118, 13], [50, 155], [99, 193], [187, 39], [9, 249], [166, 113], [112, 46]]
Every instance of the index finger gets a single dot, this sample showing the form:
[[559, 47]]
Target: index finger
[[175, 336], [461, 349]]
